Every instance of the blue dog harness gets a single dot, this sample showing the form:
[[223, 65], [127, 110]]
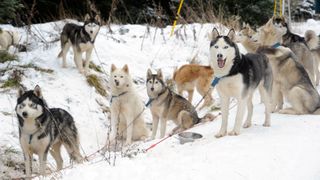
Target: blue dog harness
[[276, 45]]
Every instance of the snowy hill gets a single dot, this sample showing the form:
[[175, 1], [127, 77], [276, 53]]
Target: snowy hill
[[289, 149]]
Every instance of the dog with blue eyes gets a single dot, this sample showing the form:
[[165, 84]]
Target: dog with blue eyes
[[43, 129], [238, 75]]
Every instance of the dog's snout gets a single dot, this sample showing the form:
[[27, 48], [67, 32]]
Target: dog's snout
[[91, 32], [24, 114], [219, 55], [152, 89], [117, 82]]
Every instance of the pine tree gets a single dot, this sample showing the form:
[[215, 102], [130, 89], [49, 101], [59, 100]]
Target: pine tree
[[8, 9]]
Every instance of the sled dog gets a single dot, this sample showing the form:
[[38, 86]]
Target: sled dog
[[292, 82], [299, 45], [126, 107], [8, 38], [191, 76], [166, 105], [43, 129], [81, 39], [239, 76]]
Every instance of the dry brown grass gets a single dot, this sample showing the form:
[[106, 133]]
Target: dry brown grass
[[94, 81]]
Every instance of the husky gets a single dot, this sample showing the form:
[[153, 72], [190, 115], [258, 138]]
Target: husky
[[294, 41], [42, 129], [277, 26], [126, 107], [167, 105], [191, 76], [8, 38], [292, 81], [81, 38], [239, 75], [246, 38]]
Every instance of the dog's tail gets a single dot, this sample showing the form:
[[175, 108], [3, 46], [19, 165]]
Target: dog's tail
[[311, 39]]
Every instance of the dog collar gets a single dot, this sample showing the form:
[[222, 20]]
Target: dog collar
[[149, 102], [276, 45], [117, 96], [215, 81], [31, 135]]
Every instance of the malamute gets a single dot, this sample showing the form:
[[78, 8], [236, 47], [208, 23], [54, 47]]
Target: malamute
[[81, 38], [42, 129], [167, 105], [239, 76]]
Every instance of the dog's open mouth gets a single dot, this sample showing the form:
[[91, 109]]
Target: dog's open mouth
[[221, 62]]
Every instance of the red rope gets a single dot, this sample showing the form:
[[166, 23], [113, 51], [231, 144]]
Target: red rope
[[155, 144]]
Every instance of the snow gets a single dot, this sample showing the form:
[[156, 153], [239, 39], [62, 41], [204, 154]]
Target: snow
[[289, 149]]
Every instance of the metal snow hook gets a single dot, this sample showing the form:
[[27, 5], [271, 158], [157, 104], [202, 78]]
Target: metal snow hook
[[176, 18]]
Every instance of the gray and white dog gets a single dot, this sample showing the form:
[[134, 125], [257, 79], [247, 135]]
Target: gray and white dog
[[42, 129], [239, 76], [82, 39], [167, 105], [303, 47]]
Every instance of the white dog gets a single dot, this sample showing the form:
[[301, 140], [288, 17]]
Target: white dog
[[8, 38], [126, 107]]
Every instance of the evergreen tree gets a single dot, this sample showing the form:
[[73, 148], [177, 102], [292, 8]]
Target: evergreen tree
[[8, 10]]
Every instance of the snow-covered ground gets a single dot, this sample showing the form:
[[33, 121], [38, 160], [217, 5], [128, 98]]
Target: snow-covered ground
[[289, 149]]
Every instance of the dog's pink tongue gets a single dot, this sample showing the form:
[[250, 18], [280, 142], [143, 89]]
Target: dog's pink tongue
[[221, 62]]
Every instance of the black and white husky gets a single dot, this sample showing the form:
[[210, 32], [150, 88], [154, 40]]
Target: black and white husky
[[81, 38], [239, 75], [42, 129]]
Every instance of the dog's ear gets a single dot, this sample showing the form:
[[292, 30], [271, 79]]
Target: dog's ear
[[159, 74], [214, 34], [113, 67], [269, 24], [232, 34], [37, 91], [125, 68], [149, 74], [243, 25], [86, 17], [97, 18], [21, 91]]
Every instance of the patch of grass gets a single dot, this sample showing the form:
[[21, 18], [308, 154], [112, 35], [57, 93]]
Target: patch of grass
[[37, 68], [14, 80], [94, 81], [6, 57], [6, 113], [95, 67], [10, 150]]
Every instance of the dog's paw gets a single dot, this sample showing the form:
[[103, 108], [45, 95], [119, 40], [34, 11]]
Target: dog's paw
[[246, 124], [266, 124], [127, 143], [221, 134], [283, 111], [233, 133]]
